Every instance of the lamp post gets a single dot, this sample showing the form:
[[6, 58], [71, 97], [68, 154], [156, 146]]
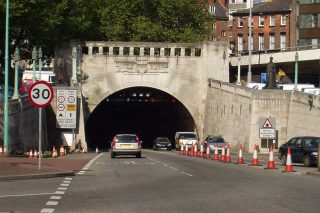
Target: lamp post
[[40, 62], [249, 77], [34, 58], [74, 65], [6, 82], [239, 77], [16, 67], [296, 69]]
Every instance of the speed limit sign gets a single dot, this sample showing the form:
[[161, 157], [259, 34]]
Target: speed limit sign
[[40, 94]]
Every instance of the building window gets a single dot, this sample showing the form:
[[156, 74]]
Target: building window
[[240, 43], [261, 21], [237, 1], [315, 20], [272, 42], [305, 21], [223, 33], [261, 42], [240, 21], [282, 40], [283, 20], [230, 14], [309, 1], [212, 9], [272, 21]]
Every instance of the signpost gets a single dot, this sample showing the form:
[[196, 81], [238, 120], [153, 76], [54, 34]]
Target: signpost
[[267, 131], [66, 108], [40, 95]]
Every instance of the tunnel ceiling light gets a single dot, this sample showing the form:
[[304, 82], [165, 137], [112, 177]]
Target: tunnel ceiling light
[[147, 94], [141, 95], [134, 94]]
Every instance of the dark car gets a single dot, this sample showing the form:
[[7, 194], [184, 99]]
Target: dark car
[[162, 143], [303, 150], [212, 140]]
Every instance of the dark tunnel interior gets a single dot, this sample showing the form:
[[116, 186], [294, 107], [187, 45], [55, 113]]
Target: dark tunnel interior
[[147, 112]]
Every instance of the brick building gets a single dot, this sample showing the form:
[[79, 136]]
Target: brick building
[[273, 27]]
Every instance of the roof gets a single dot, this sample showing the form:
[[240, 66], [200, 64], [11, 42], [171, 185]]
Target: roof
[[275, 6], [220, 11]]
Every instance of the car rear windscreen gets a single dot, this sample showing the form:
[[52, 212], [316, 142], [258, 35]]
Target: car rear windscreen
[[126, 139], [216, 140], [187, 136]]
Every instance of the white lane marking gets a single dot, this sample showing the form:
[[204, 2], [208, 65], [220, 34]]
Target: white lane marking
[[55, 197], [25, 195], [165, 164], [47, 210], [68, 178], [173, 168], [59, 192], [52, 203], [187, 174], [92, 161], [64, 184], [100, 162], [62, 188], [150, 163], [66, 181], [80, 173]]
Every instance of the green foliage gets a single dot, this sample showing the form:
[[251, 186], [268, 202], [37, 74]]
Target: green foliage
[[49, 23]]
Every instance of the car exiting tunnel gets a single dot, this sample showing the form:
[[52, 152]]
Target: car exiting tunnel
[[145, 111]]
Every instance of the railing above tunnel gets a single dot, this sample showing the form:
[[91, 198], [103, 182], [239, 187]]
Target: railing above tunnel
[[142, 49]]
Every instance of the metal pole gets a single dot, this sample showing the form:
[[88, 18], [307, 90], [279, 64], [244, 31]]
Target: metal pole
[[16, 66], [249, 77], [239, 71], [318, 156], [34, 58], [40, 110], [296, 72], [6, 82], [74, 65]]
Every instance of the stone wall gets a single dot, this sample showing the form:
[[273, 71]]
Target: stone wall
[[238, 113]]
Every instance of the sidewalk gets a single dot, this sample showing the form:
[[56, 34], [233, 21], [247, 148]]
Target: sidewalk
[[15, 168]]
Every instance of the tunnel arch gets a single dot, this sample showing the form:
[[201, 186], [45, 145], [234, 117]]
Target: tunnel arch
[[146, 111]]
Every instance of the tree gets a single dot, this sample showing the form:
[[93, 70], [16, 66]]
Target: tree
[[49, 23]]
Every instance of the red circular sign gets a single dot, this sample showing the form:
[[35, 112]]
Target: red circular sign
[[40, 94]]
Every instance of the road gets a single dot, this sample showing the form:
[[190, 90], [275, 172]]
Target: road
[[164, 182]]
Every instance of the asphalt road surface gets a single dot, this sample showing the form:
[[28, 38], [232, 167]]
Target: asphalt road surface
[[164, 182]]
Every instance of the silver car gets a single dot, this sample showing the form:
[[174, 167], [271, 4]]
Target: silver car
[[126, 144]]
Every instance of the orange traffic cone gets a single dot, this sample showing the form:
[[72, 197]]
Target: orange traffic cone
[[35, 154], [30, 153], [201, 151], [215, 154], [186, 149], [97, 150], [1, 150], [255, 161], [61, 150], [228, 157], [208, 151], [54, 152], [271, 164], [289, 166], [4, 150], [191, 151], [223, 155], [181, 150], [195, 150], [240, 157]]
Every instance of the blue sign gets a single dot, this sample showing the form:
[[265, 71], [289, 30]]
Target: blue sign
[[263, 77]]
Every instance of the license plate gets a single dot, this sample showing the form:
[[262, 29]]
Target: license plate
[[125, 145]]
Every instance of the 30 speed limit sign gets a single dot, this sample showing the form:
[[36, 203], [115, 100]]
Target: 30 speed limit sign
[[40, 94]]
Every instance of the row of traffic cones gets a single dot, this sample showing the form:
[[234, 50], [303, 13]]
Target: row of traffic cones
[[226, 158], [3, 151]]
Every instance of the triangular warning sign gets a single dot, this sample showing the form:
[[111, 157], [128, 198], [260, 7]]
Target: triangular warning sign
[[267, 124], [60, 115]]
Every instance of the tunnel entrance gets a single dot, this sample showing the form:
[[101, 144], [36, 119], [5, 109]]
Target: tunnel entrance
[[145, 111]]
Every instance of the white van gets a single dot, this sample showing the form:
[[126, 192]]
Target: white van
[[183, 138], [46, 75]]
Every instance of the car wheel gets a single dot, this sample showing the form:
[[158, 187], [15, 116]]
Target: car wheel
[[169, 149], [113, 155], [283, 160], [138, 155], [307, 161]]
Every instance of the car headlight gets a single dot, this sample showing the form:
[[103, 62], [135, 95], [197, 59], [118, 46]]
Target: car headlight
[[158, 144], [314, 153], [169, 145]]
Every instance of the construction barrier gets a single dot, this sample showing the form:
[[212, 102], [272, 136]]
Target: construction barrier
[[186, 149], [208, 151], [195, 151], [62, 153], [30, 153], [223, 156], [181, 150], [201, 151], [215, 154]]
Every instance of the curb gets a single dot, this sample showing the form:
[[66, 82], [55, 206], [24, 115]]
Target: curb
[[317, 173], [37, 176]]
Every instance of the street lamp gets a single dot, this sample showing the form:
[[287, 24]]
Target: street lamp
[[6, 83], [34, 58], [74, 65], [239, 77], [249, 77], [40, 62], [16, 67], [296, 71]]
